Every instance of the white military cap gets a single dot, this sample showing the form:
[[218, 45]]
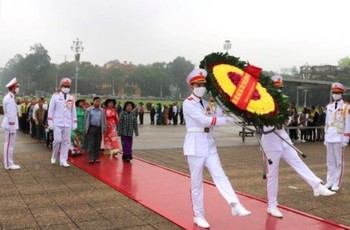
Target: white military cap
[[277, 80], [12, 83], [197, 75], [337, 87], [65, 82]]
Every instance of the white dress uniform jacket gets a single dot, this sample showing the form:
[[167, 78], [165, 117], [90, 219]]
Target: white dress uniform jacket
[[10, 120], [198, 142], [337, 122], [62, 112]]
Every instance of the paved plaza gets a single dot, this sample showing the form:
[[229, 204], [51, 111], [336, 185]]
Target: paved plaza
[[45, 196]]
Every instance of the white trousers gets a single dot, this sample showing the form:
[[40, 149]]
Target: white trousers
[[61, 142], [335, 163], [292, 158], [213, 164], [9, 145]]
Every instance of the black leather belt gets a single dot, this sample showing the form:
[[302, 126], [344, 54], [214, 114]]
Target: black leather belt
[[94, 126], [206, 130]]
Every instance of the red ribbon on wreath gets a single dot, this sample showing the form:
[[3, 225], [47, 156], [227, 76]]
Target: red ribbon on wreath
[[246, 87]]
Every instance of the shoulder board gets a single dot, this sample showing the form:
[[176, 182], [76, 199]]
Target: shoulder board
[[190, 98]]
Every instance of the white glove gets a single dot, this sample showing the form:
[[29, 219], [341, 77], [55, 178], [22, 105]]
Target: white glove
[[345, 141], [75, 126], [218, 112], [230, 120]]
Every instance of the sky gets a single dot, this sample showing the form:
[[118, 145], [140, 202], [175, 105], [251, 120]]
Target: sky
[[271, 34]]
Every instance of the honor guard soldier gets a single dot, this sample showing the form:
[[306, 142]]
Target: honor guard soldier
[[337, 132], [10, 123], [277, 148], [200, 148], [62, 119]]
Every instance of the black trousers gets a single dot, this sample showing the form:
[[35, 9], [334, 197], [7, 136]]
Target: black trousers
[[24, 123], [141, 118], [175, 119], [94, 137]]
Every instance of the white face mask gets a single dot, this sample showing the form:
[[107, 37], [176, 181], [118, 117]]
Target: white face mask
[[65, 90], [200, 91], [336, 97], [16, 90]]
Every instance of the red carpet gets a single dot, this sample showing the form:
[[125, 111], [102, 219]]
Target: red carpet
[[167, 193]]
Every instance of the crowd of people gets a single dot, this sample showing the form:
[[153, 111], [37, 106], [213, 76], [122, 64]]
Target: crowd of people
[[75, 126], [308, 125], [165, 114], [72, 126], [96, 126]]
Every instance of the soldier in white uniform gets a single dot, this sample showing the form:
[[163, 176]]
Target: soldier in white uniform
[[62, 119], [10, 124], [200, 148], [337, 132], [276, 149]]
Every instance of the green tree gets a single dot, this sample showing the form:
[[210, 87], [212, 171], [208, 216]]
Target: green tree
[[344, 63], [12, 69], [90, 79], [179, 69], [38, 70], [117, 77]]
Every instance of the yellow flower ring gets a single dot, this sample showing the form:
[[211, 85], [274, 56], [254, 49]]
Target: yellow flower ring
[[259, 102]]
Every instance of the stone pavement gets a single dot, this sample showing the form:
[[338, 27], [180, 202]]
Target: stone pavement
[[45, 196]]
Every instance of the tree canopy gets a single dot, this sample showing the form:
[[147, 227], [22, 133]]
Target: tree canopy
[[37, 74]]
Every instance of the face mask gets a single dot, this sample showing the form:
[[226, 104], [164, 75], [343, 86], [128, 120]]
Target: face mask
[[200, 91], [65, 90], [336, 97], [16, 90]]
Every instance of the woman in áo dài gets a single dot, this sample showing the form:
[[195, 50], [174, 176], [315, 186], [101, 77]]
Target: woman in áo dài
[[79, 132], [110, 138]]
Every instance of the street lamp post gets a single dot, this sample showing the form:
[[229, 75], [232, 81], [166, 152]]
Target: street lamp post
[[227, 45], [77, 48], [161, 82], [305, 96]]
